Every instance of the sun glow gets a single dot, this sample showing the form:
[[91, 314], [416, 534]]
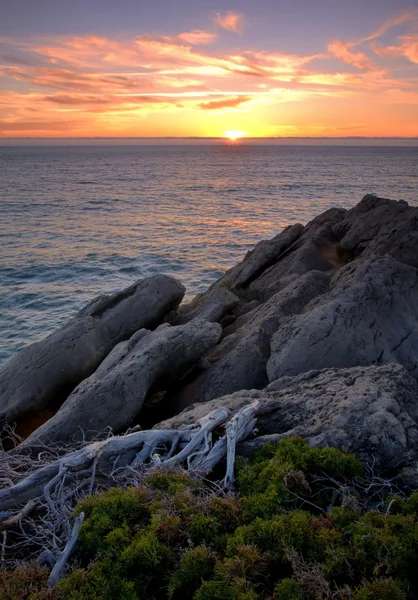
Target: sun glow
[[234, 135]]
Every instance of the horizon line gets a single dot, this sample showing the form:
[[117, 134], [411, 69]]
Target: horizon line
[[222, 138]]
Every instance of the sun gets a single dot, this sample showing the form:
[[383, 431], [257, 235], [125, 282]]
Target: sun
[[234, 135]]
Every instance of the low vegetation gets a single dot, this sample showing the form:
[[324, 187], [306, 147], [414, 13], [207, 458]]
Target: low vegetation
[[303, 524]]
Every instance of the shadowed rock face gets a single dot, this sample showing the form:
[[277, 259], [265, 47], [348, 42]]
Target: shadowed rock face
[[368, 311], [114, 394], [46, 371], [369, 317], [239, 361], [372, 411]]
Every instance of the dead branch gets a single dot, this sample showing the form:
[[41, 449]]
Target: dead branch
[[59, 477]]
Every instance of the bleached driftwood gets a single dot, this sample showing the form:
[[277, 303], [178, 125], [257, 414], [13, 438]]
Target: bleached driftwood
[[55, 485], [59, 567]]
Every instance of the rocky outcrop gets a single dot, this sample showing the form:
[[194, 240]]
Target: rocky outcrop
[[212, 306], [371, 411], [114, 394], [46, 371], [327, 313], [378, 226], [239, 361], [370, 317]]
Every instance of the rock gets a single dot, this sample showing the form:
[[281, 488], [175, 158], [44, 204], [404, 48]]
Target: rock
[[211, 306], [369, 317], [45, 372], [264, 254], [380, 226], [371, 411], [114, 394], [239, 361], [313, 250]]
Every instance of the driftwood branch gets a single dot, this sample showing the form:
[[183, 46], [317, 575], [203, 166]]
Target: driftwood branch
[[59, 567], [54, 483]]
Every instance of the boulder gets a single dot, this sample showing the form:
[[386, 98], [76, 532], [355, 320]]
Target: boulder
[[380, 226], [371, 411], [239, 361], [114, 394], [45, 372], [313, 250], [368, 318], [211, 306], [261, 257]]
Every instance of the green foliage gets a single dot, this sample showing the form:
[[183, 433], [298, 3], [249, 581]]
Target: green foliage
[[380, 589], [224, 589], [288, 589], [197, 564], [289, 534], [278, 472]]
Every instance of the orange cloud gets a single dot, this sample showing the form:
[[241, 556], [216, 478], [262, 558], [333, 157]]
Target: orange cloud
[[357, 59], [198, 36], [179, 85], [224, 103], [404, 17], [230, 21], [407, 48]]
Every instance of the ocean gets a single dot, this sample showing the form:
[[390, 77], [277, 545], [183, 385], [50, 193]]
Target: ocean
[[77, 221]]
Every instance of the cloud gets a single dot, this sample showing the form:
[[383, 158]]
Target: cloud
[[12, 60], [403, 17], [224, 103], [230, 21], [407, 49], [357, 59], [127, 86], [198, 36]]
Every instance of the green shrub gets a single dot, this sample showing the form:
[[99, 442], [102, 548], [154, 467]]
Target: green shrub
[[380, 589], [295, 530], [285, 473], [222, 589], [288, 589], [197, 564]]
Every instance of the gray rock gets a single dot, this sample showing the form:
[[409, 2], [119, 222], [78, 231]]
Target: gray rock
[[371, 411], [369, 317], [264, 254], [239, 361], [314, 250], [114, 394], [380, 226], [211, 306], [46, 371]]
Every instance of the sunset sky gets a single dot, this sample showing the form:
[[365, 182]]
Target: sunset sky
[[155, 68]]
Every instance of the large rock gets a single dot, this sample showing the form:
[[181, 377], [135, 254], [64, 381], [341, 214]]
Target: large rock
[[114, 394], [239, 361], [212, 306], [380, 226], [314, 250], [369, 317], [46, 371], [262, 256], [328, 242], [371, 411]]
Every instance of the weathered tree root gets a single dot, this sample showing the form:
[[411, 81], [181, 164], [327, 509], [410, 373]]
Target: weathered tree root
[[118, 461]]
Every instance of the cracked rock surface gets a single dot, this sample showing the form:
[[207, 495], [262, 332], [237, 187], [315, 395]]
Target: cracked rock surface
[[47, 371], [372, 411], [370, 317], [114, 394]]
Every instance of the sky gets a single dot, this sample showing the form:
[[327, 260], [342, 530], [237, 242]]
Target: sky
[[208, 68]]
